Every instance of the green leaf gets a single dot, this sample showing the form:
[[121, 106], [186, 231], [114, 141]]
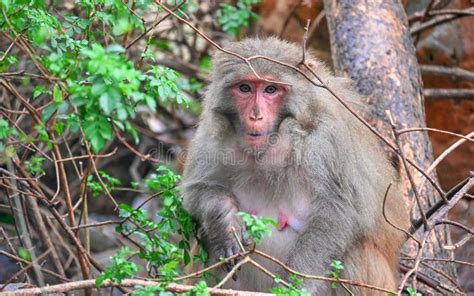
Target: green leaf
[[6, 130], [107, 104], [34, 165], [97, 131], [57, 95], [24, 254], [38, 90], [257, 227], [120, 269], [116, 49]]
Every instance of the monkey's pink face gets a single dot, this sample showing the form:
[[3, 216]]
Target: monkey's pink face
[[258, 103]]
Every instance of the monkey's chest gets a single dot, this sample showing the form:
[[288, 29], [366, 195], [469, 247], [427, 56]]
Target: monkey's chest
[[290, 211]]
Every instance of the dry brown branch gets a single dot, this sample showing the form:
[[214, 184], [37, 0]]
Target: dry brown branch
[[453, 194], [441, 213], [88, 156], [449, 93], [424, 15], [453, 281], [470, 264], [440, 19], [45, 270], [454, 73], [51, 207], [24, 269], [457, 224], [445, 153], [129, 147], [147, 30], [428, 129], [246, 60], [90, 284], [231, 273], [98, 224], [416, 265], [321, 278], [22, 230]]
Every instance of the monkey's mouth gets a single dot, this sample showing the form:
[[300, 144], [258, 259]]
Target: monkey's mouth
[[256, 139], [256, 134]]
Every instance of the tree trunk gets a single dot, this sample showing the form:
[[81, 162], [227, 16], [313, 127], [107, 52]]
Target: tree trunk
[[371, 44]]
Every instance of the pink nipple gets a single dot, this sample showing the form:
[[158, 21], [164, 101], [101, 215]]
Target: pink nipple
[[282, 220]]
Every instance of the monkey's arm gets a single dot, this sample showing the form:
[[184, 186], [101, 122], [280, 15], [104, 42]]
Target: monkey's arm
[[329, 233], [214, 208], [209, 201]]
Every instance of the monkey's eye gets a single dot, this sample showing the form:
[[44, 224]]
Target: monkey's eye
[[245, 88], [270, 89]]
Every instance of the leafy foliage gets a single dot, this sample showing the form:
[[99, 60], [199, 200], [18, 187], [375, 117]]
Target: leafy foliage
[[257, 227], [6, 130], [33, 165], [158, 289], [233, 18], [120, 269], [157, 246], [90, 82], [200, 289], [292, 289], [411, 292], [103, 88], [96, 188], [335, 273]]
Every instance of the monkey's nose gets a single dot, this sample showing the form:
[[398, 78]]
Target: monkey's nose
[[256, 117]]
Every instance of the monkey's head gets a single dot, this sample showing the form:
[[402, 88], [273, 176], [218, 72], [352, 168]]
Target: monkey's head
[[252, 100]]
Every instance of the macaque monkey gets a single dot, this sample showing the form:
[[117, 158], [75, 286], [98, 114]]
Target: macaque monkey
[[277, 146]]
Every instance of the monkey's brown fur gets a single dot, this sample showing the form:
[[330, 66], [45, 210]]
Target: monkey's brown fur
[[325, 170]]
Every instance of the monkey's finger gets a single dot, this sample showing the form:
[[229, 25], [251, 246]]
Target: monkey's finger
[[230, 264], [235, 250], [229, 253], [221, 255]]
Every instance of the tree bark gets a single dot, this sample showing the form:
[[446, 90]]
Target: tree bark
[[371, 44]]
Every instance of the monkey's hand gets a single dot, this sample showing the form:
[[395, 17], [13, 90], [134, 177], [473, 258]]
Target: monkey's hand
[[223, 235]]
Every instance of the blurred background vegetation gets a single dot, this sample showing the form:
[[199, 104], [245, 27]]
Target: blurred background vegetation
[[97, 95]]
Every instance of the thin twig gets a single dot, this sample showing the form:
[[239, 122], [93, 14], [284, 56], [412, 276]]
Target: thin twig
[[407, 171], [391, 223], [321, 278], [231, 273], [147, 30]]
